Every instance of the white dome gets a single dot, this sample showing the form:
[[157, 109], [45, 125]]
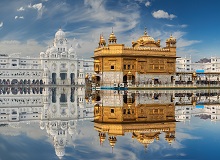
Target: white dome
[[53, 132], [41, 53], [71, 50], [71, 131], [60, 152], [42, 125], [60, 34], [63, 125], [63, 54]]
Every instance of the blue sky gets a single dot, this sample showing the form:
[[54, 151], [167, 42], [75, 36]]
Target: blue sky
[[28, 26]]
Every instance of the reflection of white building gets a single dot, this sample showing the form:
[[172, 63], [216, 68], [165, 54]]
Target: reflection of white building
[[58, 65], [203, 106], [56, 109]]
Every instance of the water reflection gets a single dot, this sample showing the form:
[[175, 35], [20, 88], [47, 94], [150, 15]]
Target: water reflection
[[57, 111], [116, 119], [149, 115], [144, 115]]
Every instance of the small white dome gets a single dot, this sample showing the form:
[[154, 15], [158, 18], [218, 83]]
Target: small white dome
[[42, 125], [63, 54], [71, 131], [60, 34], [42, 53], [60, 152], [53, 132], [71, 50]]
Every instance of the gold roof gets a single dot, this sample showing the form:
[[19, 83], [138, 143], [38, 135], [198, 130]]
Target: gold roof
[[102, 40], [171, 39], [112, 36], [146, 41], [146, 38]]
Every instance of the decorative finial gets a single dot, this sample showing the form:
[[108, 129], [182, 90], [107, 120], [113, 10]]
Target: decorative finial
[[145, 31], [112, 29]]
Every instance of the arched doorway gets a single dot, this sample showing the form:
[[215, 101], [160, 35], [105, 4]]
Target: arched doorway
[[14, 81], [172, 79], [125, 78]]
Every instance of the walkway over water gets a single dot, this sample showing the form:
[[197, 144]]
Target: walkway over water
[[172, 87]]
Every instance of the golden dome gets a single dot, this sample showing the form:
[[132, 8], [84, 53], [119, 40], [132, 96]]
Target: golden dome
[[112, 141], [146, 41], [146, 38], [102, 137], [171, 39], [102, 41], [112, 37]]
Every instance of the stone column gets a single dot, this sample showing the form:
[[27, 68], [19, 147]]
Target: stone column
[[174, 81], [152, 81]]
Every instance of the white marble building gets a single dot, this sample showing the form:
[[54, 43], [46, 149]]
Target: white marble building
[[185, 64], [57, 110], [57, 65]]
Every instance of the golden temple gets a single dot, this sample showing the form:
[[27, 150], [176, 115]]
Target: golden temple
[[144, 62]]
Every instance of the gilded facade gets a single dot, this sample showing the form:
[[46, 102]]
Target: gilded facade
[[146, 116], [145, 62]]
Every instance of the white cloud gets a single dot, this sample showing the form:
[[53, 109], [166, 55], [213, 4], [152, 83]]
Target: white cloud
[[1, 24], [140, 1], [169, 25], [183, 25], [39, 7], [19, 17], [21, 9], [28, 48], [95, 13], [180, 26], [184, 43], [162, 14], [147, 4]]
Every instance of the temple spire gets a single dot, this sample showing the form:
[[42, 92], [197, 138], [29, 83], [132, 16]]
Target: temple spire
[[145, 31]]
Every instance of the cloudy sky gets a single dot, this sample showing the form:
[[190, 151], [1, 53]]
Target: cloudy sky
[[28, 26]]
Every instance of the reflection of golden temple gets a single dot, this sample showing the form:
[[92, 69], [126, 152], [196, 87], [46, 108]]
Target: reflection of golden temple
[[145, 121]]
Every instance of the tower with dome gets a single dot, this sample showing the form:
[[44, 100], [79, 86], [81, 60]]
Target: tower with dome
[[144, 62], [60, 63]]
